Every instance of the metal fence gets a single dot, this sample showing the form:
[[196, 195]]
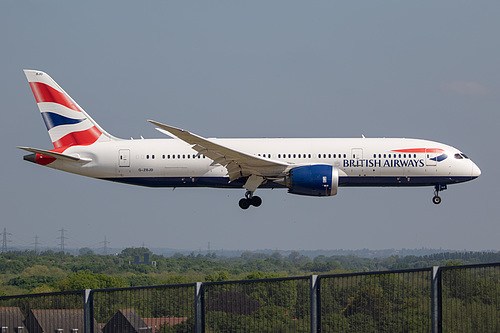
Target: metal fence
[[438, 299], [144, 309], [270, 305], [396, 301], [52, 312], [470, 297]]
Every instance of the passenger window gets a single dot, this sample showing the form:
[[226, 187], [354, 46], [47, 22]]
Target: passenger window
[[147, 157], [384, 155], [153, 157], [399, 155], [309, 155]]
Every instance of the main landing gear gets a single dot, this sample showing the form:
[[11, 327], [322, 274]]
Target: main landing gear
[[250, 200], [437, 199]]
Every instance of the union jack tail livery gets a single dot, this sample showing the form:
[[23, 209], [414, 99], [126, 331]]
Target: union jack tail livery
[[303, 166], [67, 123]]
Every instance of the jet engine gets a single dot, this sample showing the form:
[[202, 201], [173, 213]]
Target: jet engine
[[319, 180]]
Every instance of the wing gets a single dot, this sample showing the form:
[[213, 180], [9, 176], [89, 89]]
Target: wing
[[238, 164]]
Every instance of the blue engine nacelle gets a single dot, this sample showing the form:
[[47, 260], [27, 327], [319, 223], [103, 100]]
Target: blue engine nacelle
[[321, 180]]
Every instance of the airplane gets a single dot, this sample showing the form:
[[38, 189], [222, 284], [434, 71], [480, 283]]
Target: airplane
[[304, 166]]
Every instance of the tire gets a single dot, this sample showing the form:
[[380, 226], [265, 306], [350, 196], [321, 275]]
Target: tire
[[436, 200], [256, 201], [244, 203]]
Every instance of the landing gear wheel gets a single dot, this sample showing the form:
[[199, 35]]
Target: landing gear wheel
[[436, 199], [244, 203], [250, 200], [256, 201]]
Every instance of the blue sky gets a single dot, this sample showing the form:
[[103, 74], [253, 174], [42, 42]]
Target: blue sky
[[254, 69]]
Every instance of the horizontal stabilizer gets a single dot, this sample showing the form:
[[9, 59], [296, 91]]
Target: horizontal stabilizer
[[53, 154]]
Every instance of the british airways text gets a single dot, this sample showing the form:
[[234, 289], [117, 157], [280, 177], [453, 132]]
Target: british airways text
[[375, 163]]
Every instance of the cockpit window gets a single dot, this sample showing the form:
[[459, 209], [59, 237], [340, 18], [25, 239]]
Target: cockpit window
[[460, 156]]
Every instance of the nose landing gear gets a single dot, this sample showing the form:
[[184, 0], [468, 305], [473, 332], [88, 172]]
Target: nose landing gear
[[250, 200], [437, 199]]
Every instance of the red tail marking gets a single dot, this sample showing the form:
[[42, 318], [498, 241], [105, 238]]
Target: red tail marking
[[45, 93], [44, 160], [81, 138]]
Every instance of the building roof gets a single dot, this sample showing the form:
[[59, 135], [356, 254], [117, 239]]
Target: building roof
[[126, 321], [39, 321], [157, 323], [12, 318]]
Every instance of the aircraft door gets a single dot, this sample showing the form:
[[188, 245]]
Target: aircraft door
[[430, 157], [357, 153], [124, 158]]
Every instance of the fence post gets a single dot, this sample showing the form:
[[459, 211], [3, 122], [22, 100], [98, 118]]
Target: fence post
[[314, 303], [198, 308], [88, 316], [436, 300]]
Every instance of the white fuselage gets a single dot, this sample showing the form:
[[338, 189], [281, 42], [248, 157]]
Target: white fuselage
[[361, 162]]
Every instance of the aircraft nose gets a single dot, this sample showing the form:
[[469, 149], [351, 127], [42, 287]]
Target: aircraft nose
[[476, 172]]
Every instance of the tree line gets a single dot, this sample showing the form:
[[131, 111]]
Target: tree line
[[23, 272]]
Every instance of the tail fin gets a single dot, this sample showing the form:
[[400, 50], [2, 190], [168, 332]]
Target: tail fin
[[67, 123]]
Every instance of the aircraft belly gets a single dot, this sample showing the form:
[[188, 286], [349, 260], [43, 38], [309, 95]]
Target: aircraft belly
[[400, 181], [215, 182]]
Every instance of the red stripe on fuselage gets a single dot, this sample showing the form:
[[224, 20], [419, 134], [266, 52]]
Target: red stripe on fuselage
[[420, 150], [81, 138], [45, 93]]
